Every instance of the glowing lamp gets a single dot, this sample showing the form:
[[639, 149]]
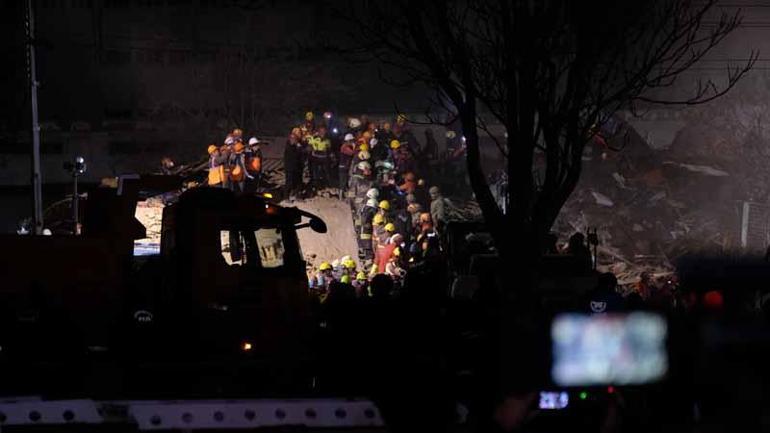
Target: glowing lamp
[[246, 346]]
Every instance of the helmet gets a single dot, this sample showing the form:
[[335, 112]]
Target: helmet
[[325, 266], [363, 166], [345, 279], [354, 123], [335, 263], [363, 155], [239, 147], [238, 131], [425, 217], [349, 137], [378, 219], [363, 147], [395, 144], [367, 135], [229, 140], [361, 276], [434, 190], [410, 198], [349, 264], [390, 227], [343, 258], [373, 193], [401, 119], [309, 116], [212, 148], [410, 177], [372, 202], [451, 134], [253, 141], [397, 252], [384, 205], [373, 142]]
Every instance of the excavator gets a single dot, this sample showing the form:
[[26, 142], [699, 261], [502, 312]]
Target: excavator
[[193, 336]]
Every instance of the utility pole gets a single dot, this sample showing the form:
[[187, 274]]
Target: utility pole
[[31, 70]]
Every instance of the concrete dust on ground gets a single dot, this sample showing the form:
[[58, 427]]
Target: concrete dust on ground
[[338, 241]]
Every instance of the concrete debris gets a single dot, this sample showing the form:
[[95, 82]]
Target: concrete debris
[[703, 169]]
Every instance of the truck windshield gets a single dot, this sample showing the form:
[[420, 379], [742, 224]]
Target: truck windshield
[[263, 248]]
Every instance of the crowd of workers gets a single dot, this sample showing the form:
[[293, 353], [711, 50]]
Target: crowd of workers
[[378, 168], [234, 164]]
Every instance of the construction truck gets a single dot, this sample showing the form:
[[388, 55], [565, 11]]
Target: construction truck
[[185, 338]]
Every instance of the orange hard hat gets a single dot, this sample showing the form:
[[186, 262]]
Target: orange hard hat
[[212, 148], [239, 147]]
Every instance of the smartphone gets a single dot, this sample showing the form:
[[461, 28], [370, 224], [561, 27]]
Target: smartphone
[[608, 349], [553, 400]]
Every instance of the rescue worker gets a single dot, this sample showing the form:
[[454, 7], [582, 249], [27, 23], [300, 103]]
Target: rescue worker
[[361, 285], [385, 249], [379, 235], [382, 233], [410, 183], [320, 159], [216, 167], [347, 153], [401, 156], [322, 279], [349, 266], [438, 207], [307, 129], [360, 180], [293, 164], [366, 216], [254, 164], [238, 171], [237, 134]]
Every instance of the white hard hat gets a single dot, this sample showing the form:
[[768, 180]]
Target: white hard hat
[[253, 140], [344, 259], [349, 137], [229, 140], [373, 193], [354, 123], [363, 165], [373, 142], [372, 202]]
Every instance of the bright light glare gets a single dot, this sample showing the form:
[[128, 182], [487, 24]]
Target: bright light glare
[[246, 346]]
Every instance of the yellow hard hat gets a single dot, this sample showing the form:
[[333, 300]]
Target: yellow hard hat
[[361, 276], [397, 252], [325, 266], [349, 263], [345, 279], [363, 155], [385, 205], [212, 148], [309, 115], [364, 147], [395, 144], [390, 227], [378, 219]]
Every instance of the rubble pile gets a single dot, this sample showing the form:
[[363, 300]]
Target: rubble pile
[[650, 207]]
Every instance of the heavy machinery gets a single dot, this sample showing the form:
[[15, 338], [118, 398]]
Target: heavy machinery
[[81, 317]]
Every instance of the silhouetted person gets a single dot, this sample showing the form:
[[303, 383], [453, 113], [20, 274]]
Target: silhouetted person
[[577, 248], [605, 298]]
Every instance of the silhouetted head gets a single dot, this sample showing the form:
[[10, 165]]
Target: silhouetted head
[[381, 286]]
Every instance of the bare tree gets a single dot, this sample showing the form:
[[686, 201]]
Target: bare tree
[[552, 72]]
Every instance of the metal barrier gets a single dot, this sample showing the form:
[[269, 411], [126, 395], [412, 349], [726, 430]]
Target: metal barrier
[[194, 414]]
